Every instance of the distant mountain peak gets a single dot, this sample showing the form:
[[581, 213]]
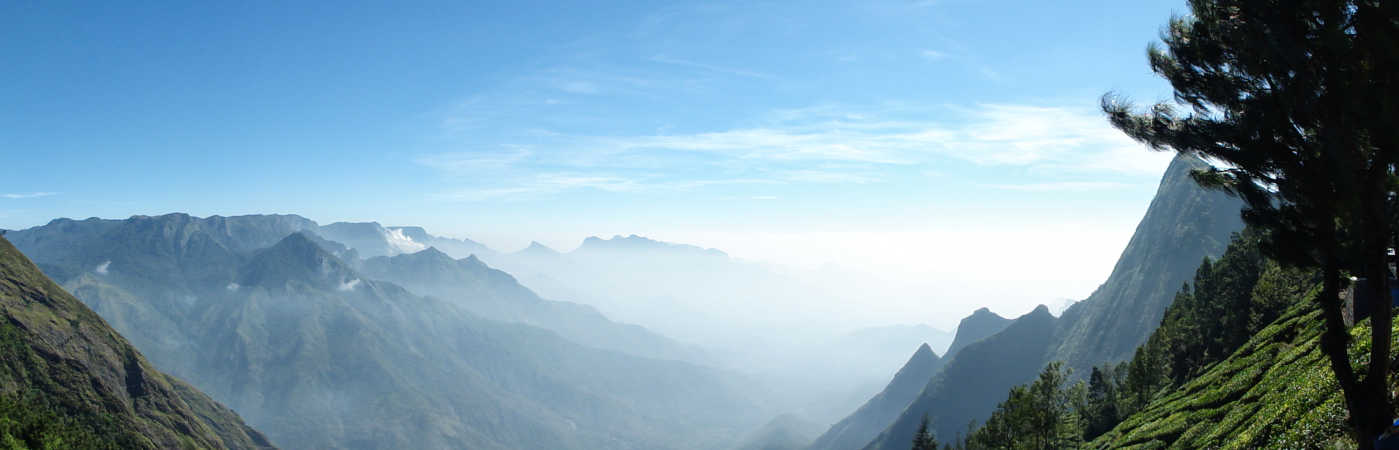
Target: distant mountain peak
[[537, 249], [473, 260], [980, 324], [432, 252], [924, 351], [296, 258]]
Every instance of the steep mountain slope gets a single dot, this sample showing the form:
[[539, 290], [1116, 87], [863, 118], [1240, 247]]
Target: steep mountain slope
[[1183, 225], [67, 380], [319, 355], [982, 371], [493, 294], [862, 426], [1277, 391]]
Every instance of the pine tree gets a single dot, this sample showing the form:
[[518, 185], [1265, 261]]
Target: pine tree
[[1102, 412], [1295, 99], [924, 439]]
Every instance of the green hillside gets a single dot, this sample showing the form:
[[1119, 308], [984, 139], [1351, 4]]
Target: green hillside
[[1277, 391]]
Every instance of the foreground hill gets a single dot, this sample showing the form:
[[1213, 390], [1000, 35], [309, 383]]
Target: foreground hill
[[1277, 391], [67, 380]]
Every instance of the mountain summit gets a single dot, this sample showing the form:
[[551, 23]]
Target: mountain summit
[[296, 259]]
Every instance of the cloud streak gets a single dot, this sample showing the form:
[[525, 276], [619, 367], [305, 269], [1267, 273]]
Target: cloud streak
[[825, 144], [1071, 186], [712, 68], [19, 196]]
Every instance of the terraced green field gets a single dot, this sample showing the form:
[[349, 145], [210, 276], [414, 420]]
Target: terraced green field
[[1277, 391]]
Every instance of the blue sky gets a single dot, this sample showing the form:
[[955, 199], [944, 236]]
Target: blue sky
[[739, 125]]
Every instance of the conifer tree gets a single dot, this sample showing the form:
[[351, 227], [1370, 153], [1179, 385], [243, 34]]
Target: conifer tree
[[923, 439], [1295, 101]]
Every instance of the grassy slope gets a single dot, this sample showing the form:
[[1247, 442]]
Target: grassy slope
[[1277, 391]]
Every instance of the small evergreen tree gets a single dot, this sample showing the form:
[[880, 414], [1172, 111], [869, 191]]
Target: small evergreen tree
[[1102, 412], [924, 439]]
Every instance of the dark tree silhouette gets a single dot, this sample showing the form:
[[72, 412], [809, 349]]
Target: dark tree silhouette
[[923, 439], [1295, 101]]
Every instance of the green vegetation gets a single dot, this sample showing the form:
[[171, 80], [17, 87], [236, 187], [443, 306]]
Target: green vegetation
[[1045, 414], [29, 421], [1277, 391]]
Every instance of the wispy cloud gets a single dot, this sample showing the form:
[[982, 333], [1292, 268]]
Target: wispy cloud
[[17, 196], [991, 74], [577, 87], [825, 144], [346, 286], [473, 162], [932, 55], [544, 184], [712, 68], [1073, 186]]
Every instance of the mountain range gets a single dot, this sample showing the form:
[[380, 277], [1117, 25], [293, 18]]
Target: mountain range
[[262, 314]]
